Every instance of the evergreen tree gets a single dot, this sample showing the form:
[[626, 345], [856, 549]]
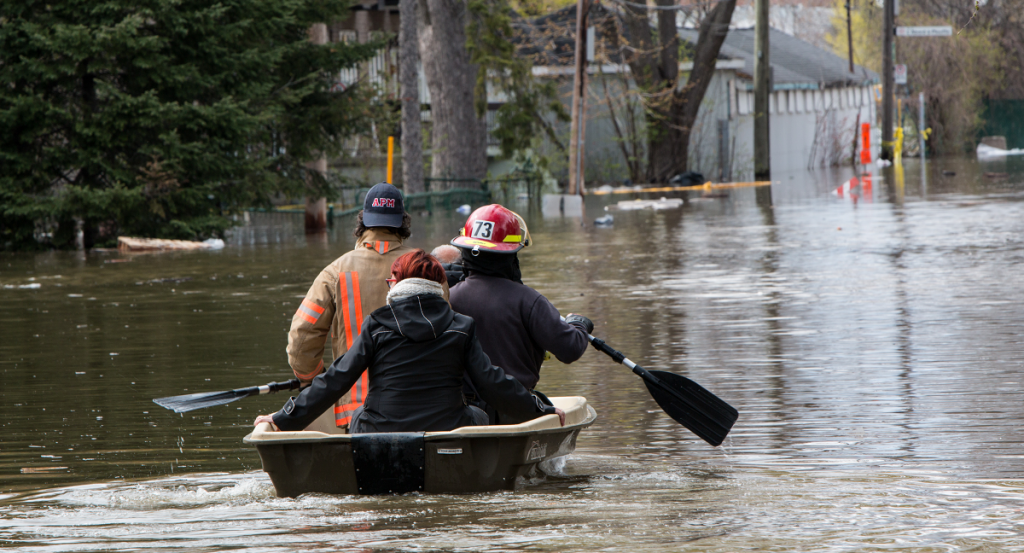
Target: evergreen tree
[[160, 117]]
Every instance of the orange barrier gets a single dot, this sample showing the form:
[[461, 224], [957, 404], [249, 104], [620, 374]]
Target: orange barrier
[[865, 149]]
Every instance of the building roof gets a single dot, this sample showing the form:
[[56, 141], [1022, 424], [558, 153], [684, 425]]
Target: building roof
[[796, 64]]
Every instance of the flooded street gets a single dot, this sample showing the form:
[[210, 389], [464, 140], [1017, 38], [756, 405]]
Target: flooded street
[[873, 345]]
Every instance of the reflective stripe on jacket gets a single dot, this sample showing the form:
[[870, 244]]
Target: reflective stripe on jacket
[[347, 290]]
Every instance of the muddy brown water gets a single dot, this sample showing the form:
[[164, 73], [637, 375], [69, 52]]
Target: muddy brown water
[[874, 346]]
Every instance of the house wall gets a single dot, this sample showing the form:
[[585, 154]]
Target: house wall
[[605, 161], [604, 158], [808, 128], [707, 145]]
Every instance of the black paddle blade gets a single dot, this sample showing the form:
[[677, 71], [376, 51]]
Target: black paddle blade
[[704, 413], [191, 402]]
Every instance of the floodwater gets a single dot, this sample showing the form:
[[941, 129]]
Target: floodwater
[[873, 344]]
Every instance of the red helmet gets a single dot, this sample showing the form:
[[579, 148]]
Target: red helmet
[[493, 228]]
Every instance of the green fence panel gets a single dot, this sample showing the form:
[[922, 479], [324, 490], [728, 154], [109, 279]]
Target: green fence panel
[[1005, 118]]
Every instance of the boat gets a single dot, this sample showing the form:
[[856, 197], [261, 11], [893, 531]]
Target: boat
[[470, 459]]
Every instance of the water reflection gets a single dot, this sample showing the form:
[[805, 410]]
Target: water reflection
[[873, 348]]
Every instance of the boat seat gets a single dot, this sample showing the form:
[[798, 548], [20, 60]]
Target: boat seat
[[575, 408]]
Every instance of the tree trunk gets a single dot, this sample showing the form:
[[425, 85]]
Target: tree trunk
[[671, 110], [713, 30], [655, 66], [316, 207], [412, 134], [458, 136]]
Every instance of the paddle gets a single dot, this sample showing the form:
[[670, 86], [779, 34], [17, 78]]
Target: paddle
[[704, 413], [191, 402]]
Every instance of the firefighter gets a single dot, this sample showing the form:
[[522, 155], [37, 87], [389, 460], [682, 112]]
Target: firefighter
[[347, 291], [516, 325]]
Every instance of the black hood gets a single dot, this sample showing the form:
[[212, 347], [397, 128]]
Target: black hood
[[419, 318], [501, 265]]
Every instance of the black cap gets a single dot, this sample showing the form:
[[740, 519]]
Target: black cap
[[383, 206]]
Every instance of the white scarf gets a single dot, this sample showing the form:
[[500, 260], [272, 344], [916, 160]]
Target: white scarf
[[409, 287]]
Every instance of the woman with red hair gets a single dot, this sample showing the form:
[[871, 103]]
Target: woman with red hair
[[418, 352]]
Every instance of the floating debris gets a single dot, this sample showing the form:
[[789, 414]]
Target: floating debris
[[33, 286], [986, 151], [688, 178], [38, 470], [663, 203], [605, 221], [163, 281], [464, 209], [129, 244]]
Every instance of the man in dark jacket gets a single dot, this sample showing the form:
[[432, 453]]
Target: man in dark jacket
[[451, 260], [516, 324], [417, 351]]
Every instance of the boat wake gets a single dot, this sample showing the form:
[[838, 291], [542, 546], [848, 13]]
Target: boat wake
[[554, 466], [194, 490]]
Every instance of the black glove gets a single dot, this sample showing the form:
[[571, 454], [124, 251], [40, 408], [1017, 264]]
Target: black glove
[[580, 322]]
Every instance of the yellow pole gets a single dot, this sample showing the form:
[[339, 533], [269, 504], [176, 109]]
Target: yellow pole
[[391, 156]]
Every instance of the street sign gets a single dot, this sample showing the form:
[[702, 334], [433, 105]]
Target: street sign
[[900, 73], [941, 30]]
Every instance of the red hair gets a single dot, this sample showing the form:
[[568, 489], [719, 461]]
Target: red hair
[[418, 264]]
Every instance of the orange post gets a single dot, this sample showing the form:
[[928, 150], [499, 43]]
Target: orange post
[[865, 149], [391, 156]]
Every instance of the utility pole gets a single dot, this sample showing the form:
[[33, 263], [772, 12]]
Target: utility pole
[[762, 93], [578, 100], [849, 34], [888, 86]]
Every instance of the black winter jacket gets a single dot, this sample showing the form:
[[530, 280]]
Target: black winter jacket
[[516, 325], [454, 272], [417, 350]]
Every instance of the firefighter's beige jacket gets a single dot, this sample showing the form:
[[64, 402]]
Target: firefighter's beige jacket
[[344, 294]]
